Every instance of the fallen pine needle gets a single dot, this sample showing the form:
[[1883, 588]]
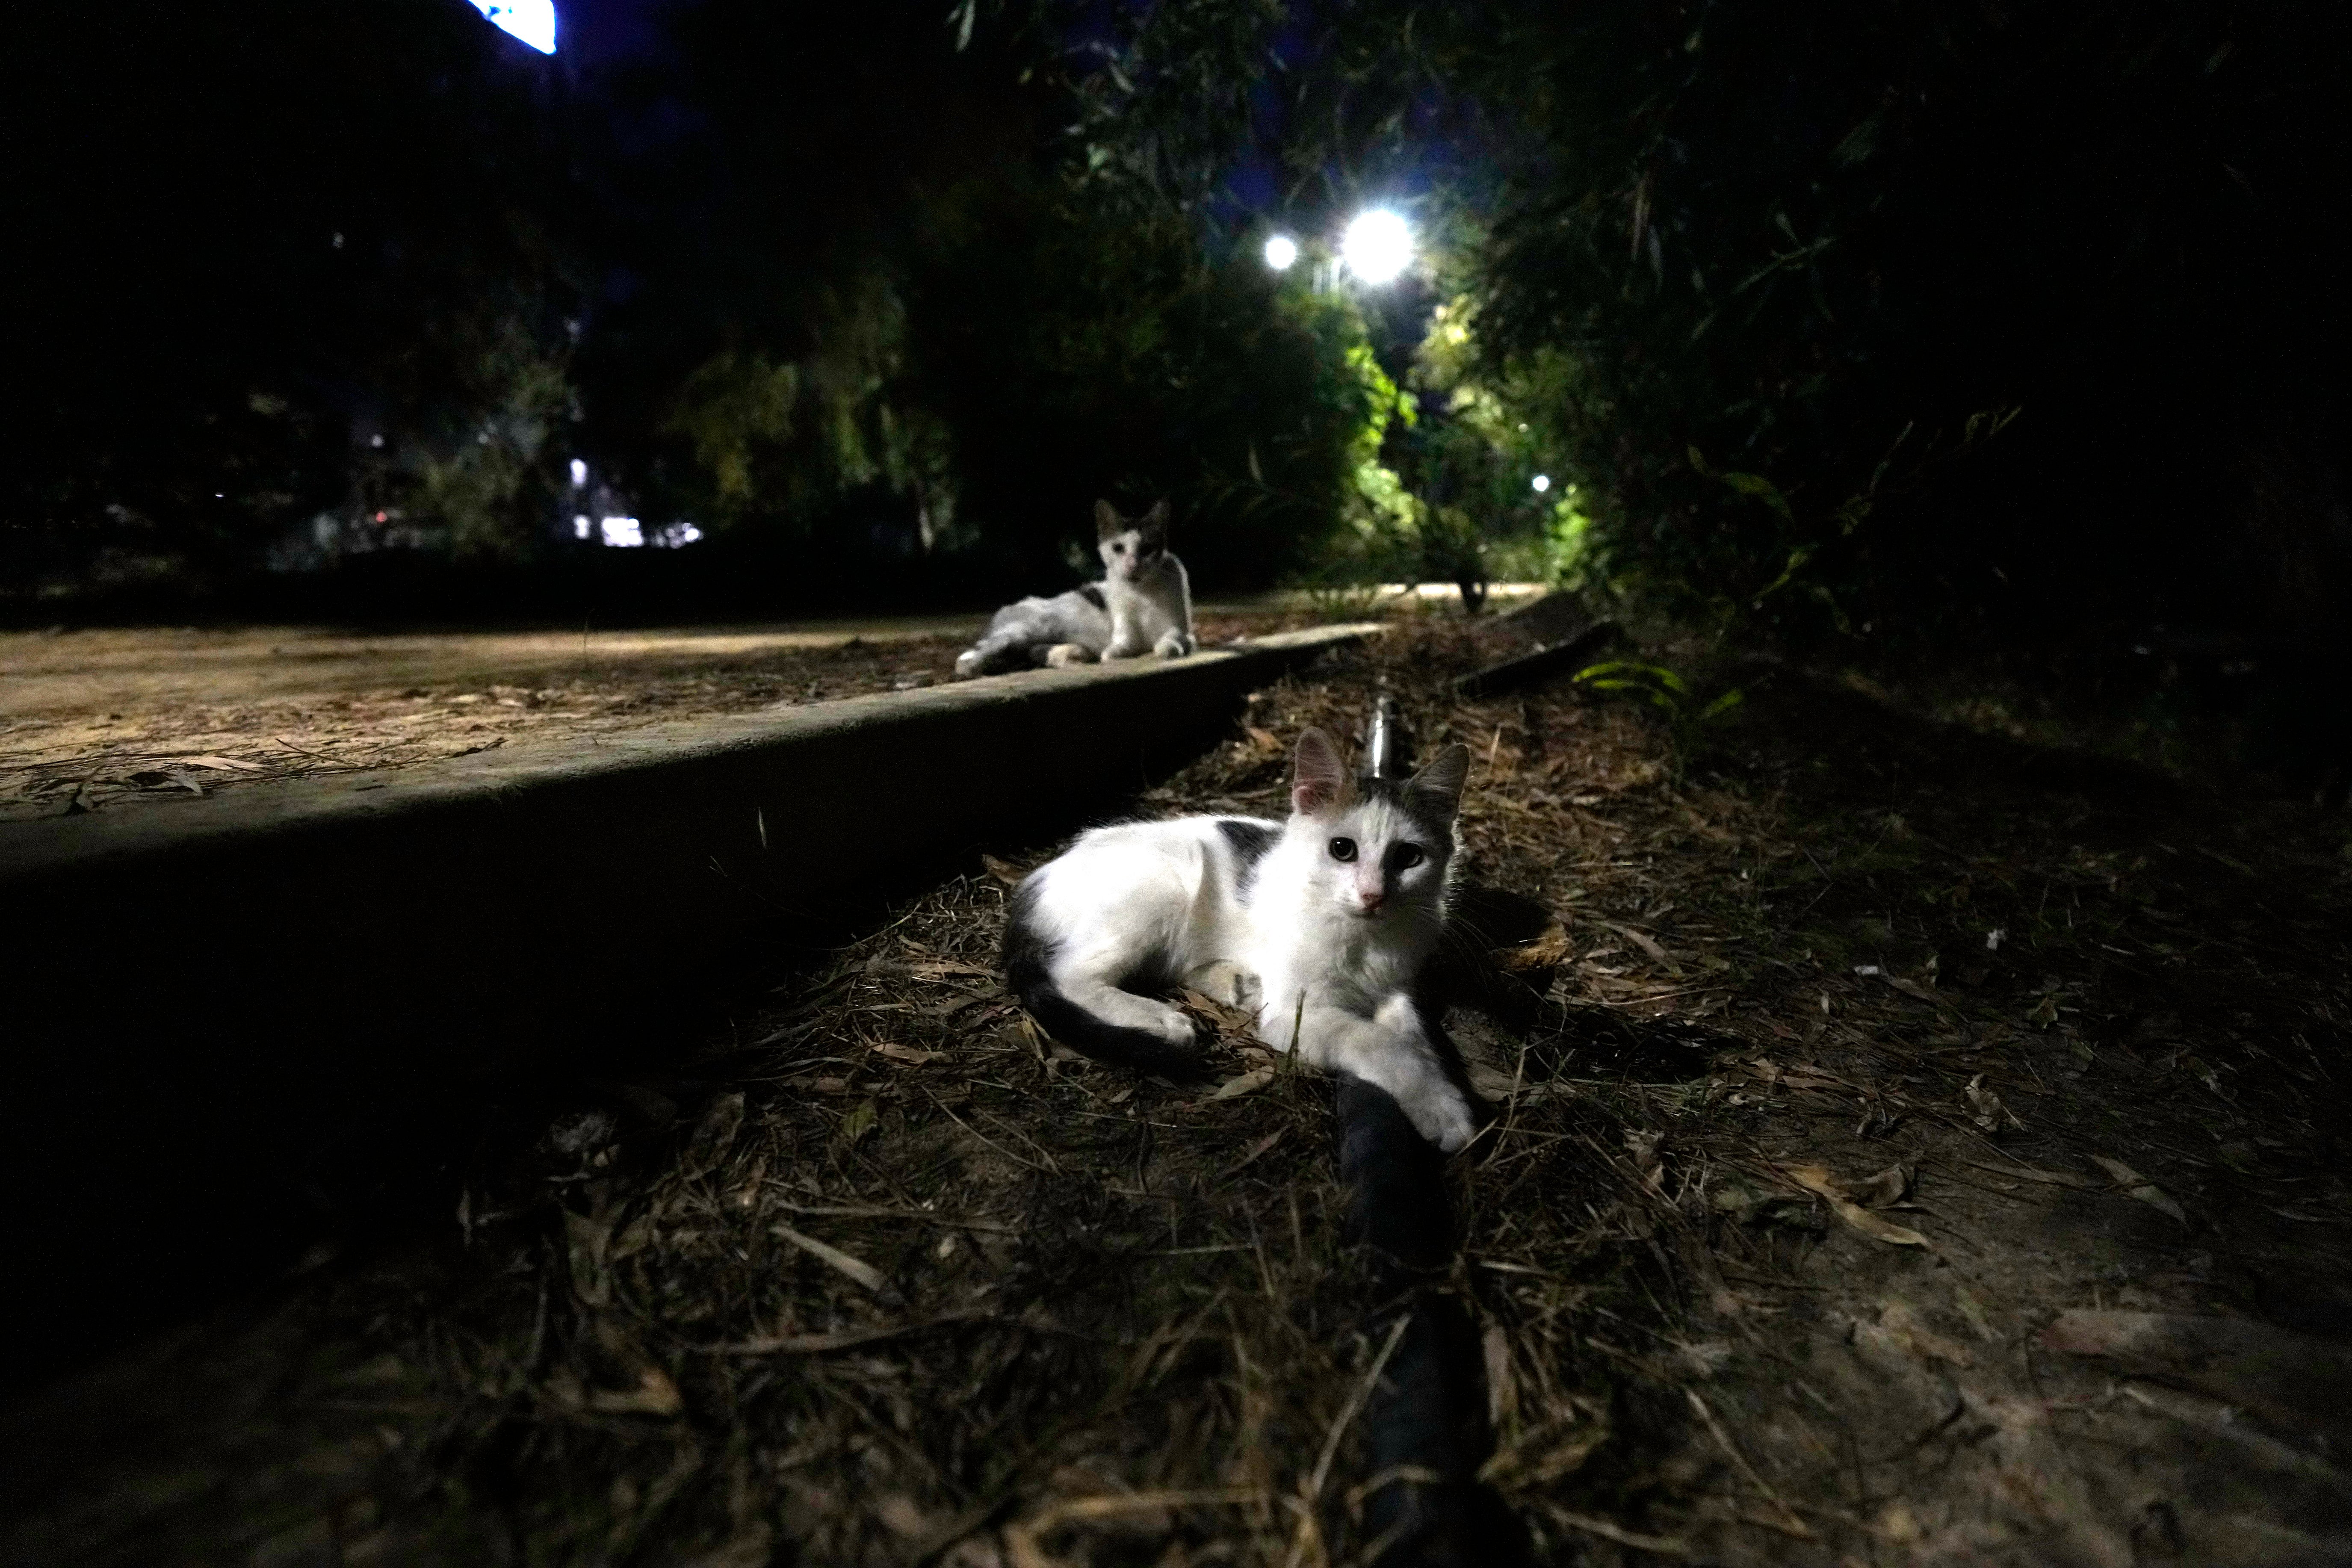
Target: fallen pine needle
[[1663, 1545], [814, 1344], [857, 1268], [1791, 1523]]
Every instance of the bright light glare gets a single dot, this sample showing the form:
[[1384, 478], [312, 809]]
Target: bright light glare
[[1280, 252], [622, 533], [1377, 246], [533, 21], [580, 527], [579, 473], [1542, 483], [678, 535]]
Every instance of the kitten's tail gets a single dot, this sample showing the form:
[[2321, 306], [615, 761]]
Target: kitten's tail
[[1028, 956]]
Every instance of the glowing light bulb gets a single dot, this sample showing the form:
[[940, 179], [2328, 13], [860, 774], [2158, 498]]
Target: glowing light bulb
[[1377, 246], [1280, 252], [1542, 483], [533, 21]]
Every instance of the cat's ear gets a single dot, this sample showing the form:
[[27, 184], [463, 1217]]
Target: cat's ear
[[1155, 521], [1442, 781], [1318, 779], [1108, 525]]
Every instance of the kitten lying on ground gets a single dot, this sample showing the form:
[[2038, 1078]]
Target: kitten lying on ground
[[1143, 604], [1331, 915]]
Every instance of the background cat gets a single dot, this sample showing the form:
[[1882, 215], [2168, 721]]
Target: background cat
[[1143, 604], [1326, 919]]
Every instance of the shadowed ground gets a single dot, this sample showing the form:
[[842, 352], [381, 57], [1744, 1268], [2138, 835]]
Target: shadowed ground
[[1916, 1147]]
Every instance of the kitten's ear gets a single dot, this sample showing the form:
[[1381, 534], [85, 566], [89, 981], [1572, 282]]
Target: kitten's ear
[[1442, 779], [1108, 525], [1155, 521], [1317, 780]]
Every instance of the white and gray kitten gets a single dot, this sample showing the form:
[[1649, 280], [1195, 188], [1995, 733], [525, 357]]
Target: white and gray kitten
[[1143, 604], [1322, 922]]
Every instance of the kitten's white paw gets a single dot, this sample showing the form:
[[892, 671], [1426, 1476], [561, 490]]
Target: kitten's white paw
[[1175, 645], [1062, 655], [1439, 1113], [967, 664], [1178, 1029], [1227, 982]]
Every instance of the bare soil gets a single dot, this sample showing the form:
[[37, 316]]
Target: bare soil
[[114, 719], [1916, 1147]]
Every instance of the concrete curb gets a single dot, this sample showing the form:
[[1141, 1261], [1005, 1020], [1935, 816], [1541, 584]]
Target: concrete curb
[[240, 982]]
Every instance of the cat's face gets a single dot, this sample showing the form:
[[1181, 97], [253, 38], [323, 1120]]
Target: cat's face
[[1129, 548], [1381, 852]]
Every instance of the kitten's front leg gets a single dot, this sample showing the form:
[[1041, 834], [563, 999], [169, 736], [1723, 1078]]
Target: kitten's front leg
[[1387, 1050], [1062, 655], [1127, 640], [1176, 644]]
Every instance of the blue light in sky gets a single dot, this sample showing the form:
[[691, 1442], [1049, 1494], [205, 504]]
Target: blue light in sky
[[533, 21]]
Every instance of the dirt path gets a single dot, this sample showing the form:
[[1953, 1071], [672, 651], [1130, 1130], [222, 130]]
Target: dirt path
[[127, 720], [1914, 1148]]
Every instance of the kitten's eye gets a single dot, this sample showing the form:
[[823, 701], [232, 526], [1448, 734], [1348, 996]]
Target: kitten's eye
[[1343, 849], [1406, 857]]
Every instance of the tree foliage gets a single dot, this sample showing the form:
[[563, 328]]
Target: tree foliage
[[1861, 316]]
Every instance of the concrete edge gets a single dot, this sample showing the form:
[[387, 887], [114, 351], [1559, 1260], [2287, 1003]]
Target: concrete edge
[[49, 845], [227, 1018]]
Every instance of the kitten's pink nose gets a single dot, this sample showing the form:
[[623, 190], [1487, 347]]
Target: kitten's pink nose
[[1369, 899]]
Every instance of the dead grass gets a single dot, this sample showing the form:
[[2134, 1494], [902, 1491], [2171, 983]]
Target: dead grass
[[1874, 1047]]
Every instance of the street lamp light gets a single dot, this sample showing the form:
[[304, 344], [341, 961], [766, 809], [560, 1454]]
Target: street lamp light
[[1280, 252], [1377, 246], [533, 21], [1542, 483]]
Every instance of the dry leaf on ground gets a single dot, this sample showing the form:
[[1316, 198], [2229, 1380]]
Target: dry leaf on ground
[[856, 1269], [1990, 1114], [1247, 1083], [1818, 1181], [2132, 1185]]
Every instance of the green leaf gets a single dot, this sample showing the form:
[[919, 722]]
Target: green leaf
[[1763, 490]]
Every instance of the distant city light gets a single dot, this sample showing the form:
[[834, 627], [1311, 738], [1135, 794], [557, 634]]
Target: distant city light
[[622, 533], [678, 535], [579, 473], [580, 527], [1377, 246], [533, 21], [1542, 483], [1280, 252]]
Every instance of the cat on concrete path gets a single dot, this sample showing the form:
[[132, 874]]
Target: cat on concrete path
[[1143, 604]]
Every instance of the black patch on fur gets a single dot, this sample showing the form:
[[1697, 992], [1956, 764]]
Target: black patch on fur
[[1027, 958], [1251, 840], [1426, 809], [1093, 594]]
